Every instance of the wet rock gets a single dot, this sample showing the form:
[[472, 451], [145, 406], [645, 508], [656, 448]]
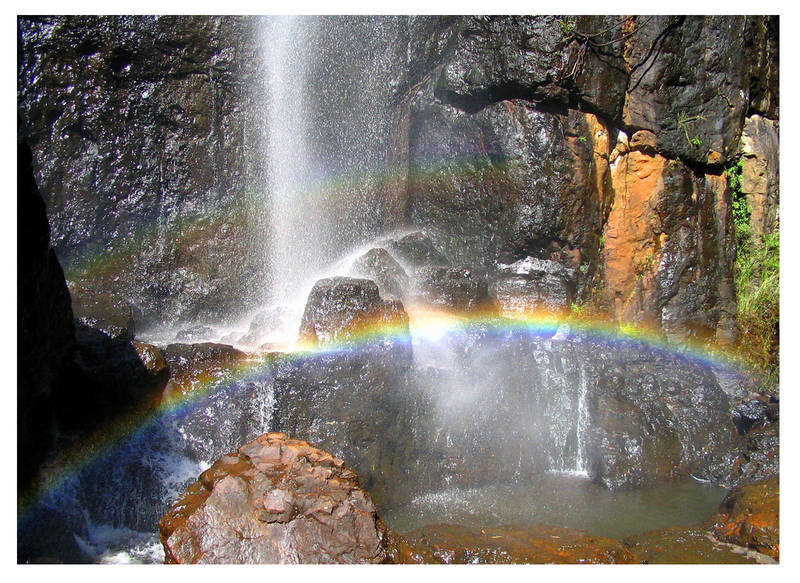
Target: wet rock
[[361, 406], [506, 57], [195, 333], [657, 273], [379, 266], [455, 544], [657, 420], [108, 313], [749, 516], [191, 365], [417, 249], [534, 284], [144, 149], [696, 546], [692, 103], [462, 290], [151, 357], [754, 413], [263, 324], [276, 500], [758, 458], [340, 308]]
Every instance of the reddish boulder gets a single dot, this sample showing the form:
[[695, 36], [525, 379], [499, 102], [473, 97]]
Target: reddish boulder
[[749, 516], [276, 500]]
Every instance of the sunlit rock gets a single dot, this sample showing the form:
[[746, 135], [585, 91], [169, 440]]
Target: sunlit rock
[[749, 516], [276, 500]]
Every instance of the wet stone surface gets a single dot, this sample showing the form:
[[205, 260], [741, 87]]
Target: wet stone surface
[[276, 500]]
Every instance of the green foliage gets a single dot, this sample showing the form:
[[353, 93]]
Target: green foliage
[[683, 121], [567, 25], [577, 310], [582, 138], [741, 210], [757, 275], [757, 278]]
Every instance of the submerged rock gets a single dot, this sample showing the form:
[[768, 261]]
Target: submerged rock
[[694, 545], [276, 500], [340, 308], [455, 544]]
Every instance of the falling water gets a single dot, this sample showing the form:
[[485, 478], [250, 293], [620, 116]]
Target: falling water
[[294, 235], [581, 427]]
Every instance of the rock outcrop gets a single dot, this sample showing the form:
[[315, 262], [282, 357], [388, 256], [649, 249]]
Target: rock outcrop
[[276, 500]]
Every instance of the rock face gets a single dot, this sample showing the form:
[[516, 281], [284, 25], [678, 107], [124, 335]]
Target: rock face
[[341, 308], [760, 172], [276, 500]]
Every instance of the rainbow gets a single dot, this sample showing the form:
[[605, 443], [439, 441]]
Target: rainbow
[[425, 324]]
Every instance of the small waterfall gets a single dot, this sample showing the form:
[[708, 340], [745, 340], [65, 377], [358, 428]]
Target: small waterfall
[[581, 426]]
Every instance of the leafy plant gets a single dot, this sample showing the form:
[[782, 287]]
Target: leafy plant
[[683, 121], [582, 138], [567, 26]]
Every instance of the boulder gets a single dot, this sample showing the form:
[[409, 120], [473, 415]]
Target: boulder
[[194, 334], [340, 309], [417, 249], [462, 290], [379, 266], [275, 500], [749, 516], [459, 545], [534, 284]]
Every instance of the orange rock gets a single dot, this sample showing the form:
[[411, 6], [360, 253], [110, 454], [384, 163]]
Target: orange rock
[[749, 516]]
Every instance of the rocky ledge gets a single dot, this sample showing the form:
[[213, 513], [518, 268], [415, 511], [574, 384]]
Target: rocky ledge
[[276, 500]]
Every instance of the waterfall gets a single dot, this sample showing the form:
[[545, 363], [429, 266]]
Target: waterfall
[[581, 426], [294, 235]]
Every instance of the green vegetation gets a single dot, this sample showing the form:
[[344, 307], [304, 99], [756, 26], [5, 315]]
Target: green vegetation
[[567, 26], [757, 278], [683, 121]]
